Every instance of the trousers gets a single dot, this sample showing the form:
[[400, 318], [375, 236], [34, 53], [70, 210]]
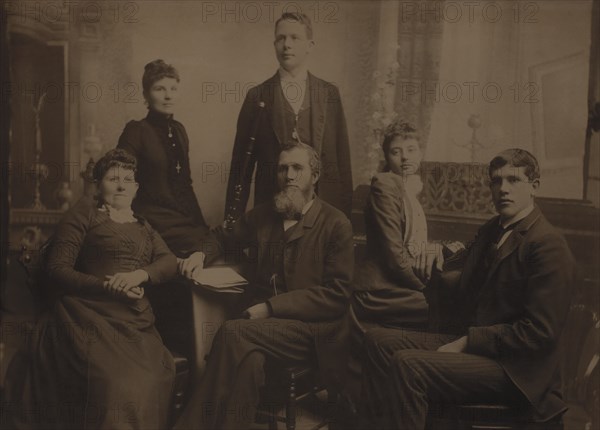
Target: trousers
[[404, 377], [229, 391]]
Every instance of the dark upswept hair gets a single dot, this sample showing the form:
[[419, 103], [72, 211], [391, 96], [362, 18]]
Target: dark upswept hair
[[297, 17], [516, 157], [313, 157], [155, 71], [399, 128], [114, 157]]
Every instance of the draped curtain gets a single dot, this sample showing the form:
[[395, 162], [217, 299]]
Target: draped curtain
[[408, 57], [419, 49]]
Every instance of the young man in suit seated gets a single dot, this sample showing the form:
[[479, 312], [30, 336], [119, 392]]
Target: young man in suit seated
[[508, 310], [304, 258]]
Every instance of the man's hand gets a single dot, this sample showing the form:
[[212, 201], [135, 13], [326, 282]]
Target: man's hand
[[459, 345], [454, 246], [191, 266], [260, 310], [126, 284], [430, 256]]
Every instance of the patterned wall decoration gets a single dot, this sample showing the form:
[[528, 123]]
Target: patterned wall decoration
[[460, 188]]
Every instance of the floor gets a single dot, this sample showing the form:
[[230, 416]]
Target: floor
[[305, 421], [575, 419]]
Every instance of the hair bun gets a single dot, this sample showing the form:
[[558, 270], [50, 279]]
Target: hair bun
[[156, 64], [156, 70]]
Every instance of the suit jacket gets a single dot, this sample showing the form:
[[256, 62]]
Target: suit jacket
[[329, 136], [517, 313], [318, 261]]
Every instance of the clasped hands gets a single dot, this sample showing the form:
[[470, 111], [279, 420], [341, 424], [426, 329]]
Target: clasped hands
[[126, 284]]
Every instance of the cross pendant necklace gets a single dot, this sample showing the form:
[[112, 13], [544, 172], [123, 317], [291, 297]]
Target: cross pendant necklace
[[170, 134]]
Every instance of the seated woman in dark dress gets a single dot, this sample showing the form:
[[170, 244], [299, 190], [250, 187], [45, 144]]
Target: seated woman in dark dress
[[97, 360], [166, 198]]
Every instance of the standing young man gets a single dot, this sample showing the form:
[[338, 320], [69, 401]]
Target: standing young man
[[297, 106]]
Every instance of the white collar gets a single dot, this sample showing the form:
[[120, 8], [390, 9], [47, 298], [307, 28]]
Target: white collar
[[300, 76], [120, 216], [308, 205], [413, 184], [518, 217]]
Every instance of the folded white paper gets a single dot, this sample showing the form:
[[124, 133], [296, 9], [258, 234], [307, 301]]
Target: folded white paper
[[222, 278]]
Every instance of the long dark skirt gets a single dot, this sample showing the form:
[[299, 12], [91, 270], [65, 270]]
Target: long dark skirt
[[95, 364]]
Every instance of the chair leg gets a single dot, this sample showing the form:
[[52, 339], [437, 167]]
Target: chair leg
[[332, 414], [273, 421], [290, 408]]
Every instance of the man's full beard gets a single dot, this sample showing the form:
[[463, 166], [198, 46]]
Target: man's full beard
[[289, 202]]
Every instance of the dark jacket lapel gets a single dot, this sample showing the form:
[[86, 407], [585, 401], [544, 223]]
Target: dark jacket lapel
[[476, 254], [307, 221], [269, 87], [513, 241], [318, 104]]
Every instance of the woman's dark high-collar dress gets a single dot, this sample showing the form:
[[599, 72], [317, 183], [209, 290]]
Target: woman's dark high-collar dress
[[167, 201], [166, 197]]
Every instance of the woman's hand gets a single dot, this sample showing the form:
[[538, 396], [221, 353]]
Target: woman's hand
[[134, 293], [191, 266], [126, 284], [431, 256]]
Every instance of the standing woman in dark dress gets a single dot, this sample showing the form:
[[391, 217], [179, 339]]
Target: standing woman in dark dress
[[97, 361], [166, 197]]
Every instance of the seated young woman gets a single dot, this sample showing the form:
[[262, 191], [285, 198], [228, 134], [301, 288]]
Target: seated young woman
[[399, 260], [97, 361], [389, 284]]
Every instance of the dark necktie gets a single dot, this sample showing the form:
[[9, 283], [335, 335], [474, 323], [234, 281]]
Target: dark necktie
[[493, 247]]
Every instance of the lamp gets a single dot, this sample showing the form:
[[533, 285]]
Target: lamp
[[473, 145]]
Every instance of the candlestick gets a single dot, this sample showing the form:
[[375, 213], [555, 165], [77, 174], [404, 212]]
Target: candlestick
[[39, 169], [38, 131]]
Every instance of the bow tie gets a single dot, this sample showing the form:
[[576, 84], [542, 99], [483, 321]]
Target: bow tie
[[501, 231], [294, 217]]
